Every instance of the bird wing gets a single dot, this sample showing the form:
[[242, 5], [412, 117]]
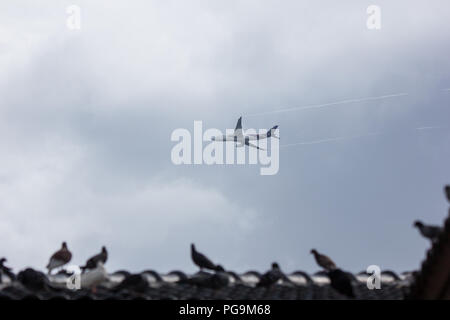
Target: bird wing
[[62, 255], [326, 262], [204, 261], [431, 231], [92, 261], [269, 278]]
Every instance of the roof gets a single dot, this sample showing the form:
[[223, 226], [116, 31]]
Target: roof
[[432, 281], [149, 284]]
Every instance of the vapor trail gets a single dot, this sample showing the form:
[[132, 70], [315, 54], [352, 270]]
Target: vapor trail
[[330, 139], [313, 106], [427, 128], [351, 137]]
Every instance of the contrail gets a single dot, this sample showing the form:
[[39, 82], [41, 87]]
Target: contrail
[[428, 128], [330, 139], [351, 137], [313, 106]]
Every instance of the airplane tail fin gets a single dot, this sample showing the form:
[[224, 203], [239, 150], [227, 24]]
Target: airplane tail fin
[[238, 131], [271, 132], [239, 124]]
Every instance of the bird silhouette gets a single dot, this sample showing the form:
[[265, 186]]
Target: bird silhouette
[[4, 270], [323, 260], [447, 192], [201, 260], [271, 277], [341, 281], [215, 280], [93, 261], [428, 231], [59, 258]]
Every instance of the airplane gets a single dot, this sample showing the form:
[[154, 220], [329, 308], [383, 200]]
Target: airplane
[[241, 139]]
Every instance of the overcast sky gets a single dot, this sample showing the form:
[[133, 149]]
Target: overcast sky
[[86, 117]]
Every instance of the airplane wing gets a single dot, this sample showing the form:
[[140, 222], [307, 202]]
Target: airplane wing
[[252, 145], [229, 137]]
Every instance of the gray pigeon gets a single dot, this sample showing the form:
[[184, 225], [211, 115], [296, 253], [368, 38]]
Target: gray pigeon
[[271, 277], [201, 260], [430, 232]]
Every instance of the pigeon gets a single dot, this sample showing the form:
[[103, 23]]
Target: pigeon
[[4, 270], [447, 192], [271, 277], [93, 261], [341, 281], [94, 277], [201, 260], [59, 258], [323, 260], [215, 280], [135, 282], [220, 278], [430, 232], [34, 280]]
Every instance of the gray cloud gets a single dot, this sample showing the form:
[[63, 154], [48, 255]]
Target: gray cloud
[[86, 119]]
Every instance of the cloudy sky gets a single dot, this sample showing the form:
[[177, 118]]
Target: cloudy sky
[[86, 117]]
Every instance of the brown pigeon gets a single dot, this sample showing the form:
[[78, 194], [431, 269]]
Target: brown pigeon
[[323, 261], [59, 258]]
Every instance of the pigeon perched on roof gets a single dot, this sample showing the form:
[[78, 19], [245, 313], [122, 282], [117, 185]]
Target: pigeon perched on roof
[[323, 260], [215, 280], [4, 270], [93, 261], [135, 282], [59, 258], [34, 280], [428, 231], [341, 281], [447, 192], [271, 277], [201, 260], [92, 278]]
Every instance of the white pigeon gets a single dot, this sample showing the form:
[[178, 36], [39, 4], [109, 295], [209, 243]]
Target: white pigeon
[[92, 278]]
